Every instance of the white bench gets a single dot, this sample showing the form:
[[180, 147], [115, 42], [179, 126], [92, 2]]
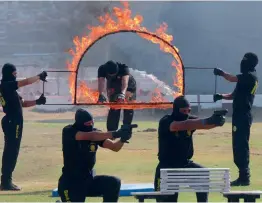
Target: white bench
[[195, 180], [189, 180]]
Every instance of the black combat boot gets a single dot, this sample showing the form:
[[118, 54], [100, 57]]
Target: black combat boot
[[243, 179], [8, 185]]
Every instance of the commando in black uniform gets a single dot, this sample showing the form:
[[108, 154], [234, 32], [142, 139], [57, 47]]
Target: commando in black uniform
[[175, 147], [12, 123], [113, 73], [79, 154], [243, 98]]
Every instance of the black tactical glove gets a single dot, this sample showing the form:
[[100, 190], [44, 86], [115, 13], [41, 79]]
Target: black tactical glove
[[217, 97], [217, 120], [41, 100], [101, 98], [43, 76], [218, 71], [124, 135], [120, 97]]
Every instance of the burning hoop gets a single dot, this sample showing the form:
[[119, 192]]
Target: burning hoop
[[123, 23]]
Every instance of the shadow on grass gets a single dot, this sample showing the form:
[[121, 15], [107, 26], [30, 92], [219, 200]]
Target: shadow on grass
[[27, 193]]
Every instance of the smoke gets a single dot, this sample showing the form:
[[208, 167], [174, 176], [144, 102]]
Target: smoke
[[208, 34], [47, 28], [149, 82]]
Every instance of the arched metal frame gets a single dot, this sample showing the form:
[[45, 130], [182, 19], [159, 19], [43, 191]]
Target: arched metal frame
[[131, 103], [132, 31]]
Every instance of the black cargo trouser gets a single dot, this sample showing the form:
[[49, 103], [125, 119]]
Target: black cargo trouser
[[201, 196], [12, 128], [104, 186], [114, 114], [241, 124]]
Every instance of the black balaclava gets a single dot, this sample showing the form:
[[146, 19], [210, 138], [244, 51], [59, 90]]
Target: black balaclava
[[180, 102], [248, 63], [7, 72], [112, 68], [83, 121]]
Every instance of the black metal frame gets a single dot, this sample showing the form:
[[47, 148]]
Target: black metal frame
[[203, 68], [132, 103]]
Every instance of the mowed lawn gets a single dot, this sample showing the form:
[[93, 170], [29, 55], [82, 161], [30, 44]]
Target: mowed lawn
[[40, 161]]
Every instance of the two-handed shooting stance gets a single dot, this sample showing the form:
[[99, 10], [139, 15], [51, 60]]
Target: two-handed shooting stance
[[243, 97], [120, 87], [12, 122], [80, 143], [175, 141]]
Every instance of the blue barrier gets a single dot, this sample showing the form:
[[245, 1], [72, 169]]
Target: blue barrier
[[126, 189]]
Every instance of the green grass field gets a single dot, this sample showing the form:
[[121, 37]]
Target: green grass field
[[40, 160]]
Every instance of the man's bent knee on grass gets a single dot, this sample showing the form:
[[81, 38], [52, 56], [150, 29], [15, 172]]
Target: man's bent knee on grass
[[80, 143]]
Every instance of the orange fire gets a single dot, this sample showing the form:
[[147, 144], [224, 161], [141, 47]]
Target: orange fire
[[121, 19]]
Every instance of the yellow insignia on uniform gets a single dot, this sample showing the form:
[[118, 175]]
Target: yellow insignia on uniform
[[92, 147], [189, 133]]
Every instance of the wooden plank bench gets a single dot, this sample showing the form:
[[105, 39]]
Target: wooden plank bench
[[197, 180]]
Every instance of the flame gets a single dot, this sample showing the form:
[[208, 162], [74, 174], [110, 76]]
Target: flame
[[86, 94], [121, 19], [157, 96]]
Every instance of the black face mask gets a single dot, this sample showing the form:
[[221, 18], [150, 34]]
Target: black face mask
[[7, 72], [248, 63], [83, 121], [180, 102]]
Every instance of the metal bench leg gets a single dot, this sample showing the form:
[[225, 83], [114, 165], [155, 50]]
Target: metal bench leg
[[250, 199], [141, 199], [232, 199]]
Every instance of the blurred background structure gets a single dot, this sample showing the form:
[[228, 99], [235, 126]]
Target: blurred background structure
[[35, 36]]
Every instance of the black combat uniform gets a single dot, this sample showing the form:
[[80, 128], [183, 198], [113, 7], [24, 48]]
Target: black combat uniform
[[243, 95], [114, 85], [175, 149], [12, 125], [77, 180], [243, 98]]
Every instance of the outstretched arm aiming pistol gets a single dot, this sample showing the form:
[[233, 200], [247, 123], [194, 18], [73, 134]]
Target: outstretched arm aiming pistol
[[117, 144], [217, 119], [124, 134]]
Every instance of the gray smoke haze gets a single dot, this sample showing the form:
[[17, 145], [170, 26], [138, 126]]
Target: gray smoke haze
[[208, 34]]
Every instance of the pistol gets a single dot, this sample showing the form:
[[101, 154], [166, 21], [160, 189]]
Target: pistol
[[221, 112], [128, 127]]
